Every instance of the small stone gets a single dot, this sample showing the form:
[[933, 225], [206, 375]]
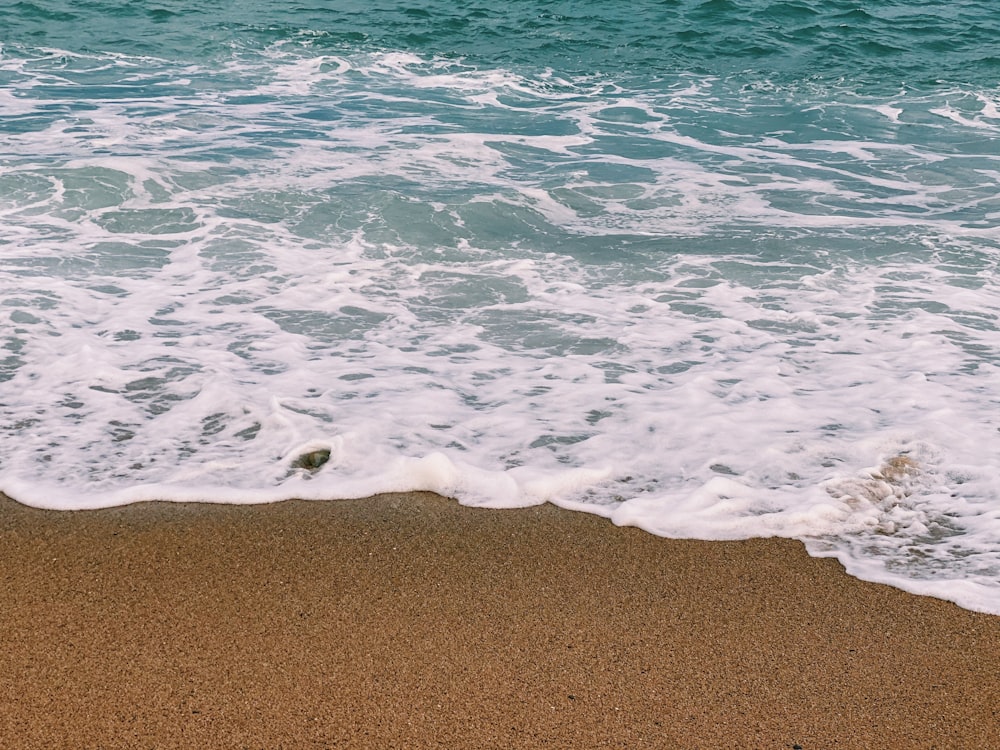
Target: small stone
[[312, 461]]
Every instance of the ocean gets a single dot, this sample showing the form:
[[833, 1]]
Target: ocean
[[718, 269]]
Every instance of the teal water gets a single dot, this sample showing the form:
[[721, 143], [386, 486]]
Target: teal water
[[715, 269], [879, 44]]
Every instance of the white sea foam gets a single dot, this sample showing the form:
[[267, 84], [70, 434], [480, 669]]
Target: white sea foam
[[507, 290]]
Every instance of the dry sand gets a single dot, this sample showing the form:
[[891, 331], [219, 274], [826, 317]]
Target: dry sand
[[407, 621]]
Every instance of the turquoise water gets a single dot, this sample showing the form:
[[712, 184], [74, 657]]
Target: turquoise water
[[717, 270], [878, 44]]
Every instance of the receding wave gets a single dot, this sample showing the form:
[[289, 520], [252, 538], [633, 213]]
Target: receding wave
[[709, 304]]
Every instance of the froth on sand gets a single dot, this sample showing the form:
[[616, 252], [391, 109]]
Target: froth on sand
[[409, 621]]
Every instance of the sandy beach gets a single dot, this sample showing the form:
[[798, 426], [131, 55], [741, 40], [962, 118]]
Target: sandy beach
[[408, 621]]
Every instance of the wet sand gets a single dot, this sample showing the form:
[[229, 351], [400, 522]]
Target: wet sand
[[408, 621]]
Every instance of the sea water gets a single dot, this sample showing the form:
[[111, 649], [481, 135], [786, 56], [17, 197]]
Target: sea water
[[715, 269]]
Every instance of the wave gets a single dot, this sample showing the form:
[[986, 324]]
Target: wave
[[702, 306]]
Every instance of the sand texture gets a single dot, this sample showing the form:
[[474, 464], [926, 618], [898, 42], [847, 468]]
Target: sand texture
[[408, 621]]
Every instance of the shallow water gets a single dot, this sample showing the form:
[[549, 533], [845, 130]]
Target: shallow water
[[718, 270]]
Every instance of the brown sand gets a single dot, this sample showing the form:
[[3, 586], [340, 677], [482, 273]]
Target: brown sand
[[407, 621]]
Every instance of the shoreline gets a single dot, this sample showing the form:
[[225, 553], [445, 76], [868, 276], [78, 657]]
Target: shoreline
[[408, 620]]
